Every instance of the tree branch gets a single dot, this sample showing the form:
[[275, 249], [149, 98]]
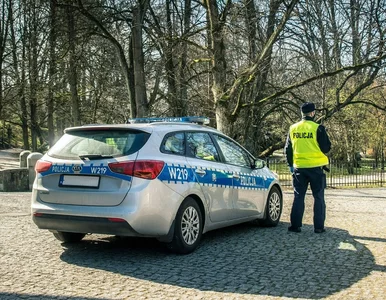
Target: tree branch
[[319, 76], [249, 74]]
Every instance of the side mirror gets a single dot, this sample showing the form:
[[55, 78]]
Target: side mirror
[[259, 164]]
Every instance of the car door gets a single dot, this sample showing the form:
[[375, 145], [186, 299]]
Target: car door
[[213, 175], [248, 193]]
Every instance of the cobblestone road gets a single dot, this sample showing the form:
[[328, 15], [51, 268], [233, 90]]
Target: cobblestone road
[[241, 262]]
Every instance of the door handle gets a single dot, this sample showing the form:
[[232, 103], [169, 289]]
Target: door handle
[[200, 172]]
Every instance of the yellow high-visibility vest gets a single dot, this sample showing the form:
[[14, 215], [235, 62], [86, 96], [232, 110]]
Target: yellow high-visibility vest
[[305, 147]]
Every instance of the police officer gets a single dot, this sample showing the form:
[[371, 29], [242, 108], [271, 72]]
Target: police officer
[[306, 148]]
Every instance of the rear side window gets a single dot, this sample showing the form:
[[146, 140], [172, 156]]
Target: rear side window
[[98, 143]]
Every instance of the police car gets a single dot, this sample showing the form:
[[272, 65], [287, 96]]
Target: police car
[[166, 178]]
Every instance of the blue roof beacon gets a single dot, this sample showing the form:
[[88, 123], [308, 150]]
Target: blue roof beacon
[[193, 119]]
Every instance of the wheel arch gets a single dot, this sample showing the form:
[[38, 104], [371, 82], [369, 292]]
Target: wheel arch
[[265, 221], [200, 205], [278, 187], [169, 236]]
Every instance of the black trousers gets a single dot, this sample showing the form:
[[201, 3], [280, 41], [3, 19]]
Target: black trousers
[[300, 179]]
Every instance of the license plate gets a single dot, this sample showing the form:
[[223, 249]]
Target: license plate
[[79, 181]]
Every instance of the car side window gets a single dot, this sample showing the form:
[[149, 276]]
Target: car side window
[[200, 145], [174, 143], [232, 152]]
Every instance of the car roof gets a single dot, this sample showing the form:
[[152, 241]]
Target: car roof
[[160, 127], [147, 127]]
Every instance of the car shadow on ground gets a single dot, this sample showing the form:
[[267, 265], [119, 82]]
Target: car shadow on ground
[[242, 259]]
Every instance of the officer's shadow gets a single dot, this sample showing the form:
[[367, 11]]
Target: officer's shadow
[[242, 259]]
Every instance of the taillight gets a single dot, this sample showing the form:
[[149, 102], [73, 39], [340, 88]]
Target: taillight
[[125, 167], [116, 220], [42, 166], [146, 169]]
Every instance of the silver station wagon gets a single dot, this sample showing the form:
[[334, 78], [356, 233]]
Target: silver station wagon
[[167, 178]]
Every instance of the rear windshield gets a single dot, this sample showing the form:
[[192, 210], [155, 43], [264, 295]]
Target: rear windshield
[[98, 143]]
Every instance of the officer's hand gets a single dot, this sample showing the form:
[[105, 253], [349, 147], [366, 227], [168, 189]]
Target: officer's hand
[[291, 169]]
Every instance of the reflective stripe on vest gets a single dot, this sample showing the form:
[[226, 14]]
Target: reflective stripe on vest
[[306, 150]]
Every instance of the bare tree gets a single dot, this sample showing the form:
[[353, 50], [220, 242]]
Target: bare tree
[[52, 74], [4, 27], [33, 75], [141, 102], [20, 74], [72, 66], [171, 39], [132, 68]]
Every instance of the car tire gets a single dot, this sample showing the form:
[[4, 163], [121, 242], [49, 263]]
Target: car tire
[[273, 208], [188, 228], [68, 237]]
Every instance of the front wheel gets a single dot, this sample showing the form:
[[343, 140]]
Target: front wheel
[[188, 228], [273, 208], [68, 237]]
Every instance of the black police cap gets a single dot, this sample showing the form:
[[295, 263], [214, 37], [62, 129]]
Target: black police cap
[[307, 107]]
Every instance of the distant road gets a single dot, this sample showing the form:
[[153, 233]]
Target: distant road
[[9, 158]]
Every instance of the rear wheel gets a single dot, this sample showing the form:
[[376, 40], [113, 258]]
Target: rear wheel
[[68, 237], [188, 228], [273, 208]]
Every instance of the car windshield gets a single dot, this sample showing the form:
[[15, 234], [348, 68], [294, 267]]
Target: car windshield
[[96, 144]]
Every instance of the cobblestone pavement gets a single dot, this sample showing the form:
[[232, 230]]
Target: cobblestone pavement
[[240, 262]]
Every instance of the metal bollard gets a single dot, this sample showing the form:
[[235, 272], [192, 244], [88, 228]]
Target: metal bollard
[[23, 158]]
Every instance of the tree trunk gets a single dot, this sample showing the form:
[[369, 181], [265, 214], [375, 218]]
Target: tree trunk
[[20, 76], [52, 74], [219, 66], [72, 68], [138, 58], [265, 64], [4, 26], [33, 76], [129, 78], [183, 99], [169, 62], [335, 32], [354, 22], [127, 69], [258, 90], [251, 26]]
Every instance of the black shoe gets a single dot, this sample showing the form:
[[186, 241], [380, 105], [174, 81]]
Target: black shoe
[[294, 229], [320, 230]]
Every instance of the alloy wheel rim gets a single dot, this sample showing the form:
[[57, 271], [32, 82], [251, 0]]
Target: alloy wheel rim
[[274, 206], [190, 225]]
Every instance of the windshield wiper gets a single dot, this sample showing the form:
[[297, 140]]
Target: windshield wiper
[[94, 156]]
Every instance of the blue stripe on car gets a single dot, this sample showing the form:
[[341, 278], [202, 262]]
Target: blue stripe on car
[[174, 173], [92, 169], [177, 173]]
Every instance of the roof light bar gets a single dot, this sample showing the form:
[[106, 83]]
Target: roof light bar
[[196, 120]]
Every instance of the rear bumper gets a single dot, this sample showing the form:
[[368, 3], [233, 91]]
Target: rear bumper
[[67, 223], [148, 210], [143, 213]]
